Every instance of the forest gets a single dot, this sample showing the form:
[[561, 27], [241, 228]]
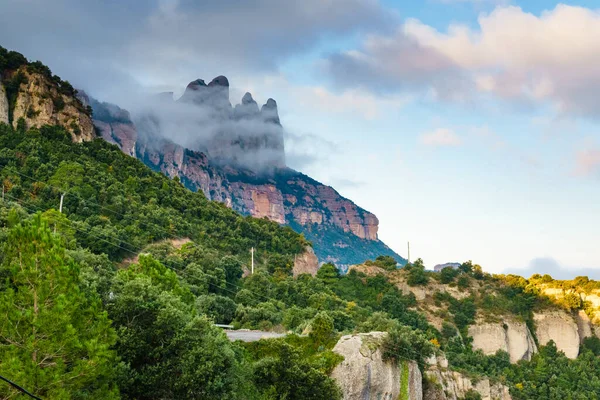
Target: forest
[[116, 295]]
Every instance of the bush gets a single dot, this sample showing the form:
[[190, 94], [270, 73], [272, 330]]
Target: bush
[[448, 274], [416, 273], [405, 344], [220, 309]]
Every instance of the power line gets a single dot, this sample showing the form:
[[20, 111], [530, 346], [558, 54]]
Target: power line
[[19, 388]]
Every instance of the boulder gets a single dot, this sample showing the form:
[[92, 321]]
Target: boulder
[[363, 375], [306, 262]]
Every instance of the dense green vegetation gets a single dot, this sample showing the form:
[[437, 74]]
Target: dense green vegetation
[[142, 319], [105, 300]]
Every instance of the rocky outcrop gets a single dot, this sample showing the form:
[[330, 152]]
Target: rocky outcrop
[[112, 123], [510, 336], [364, 375], [309, 202], [306, 263], [444, 384], [39, 102], [341, 231], [559, 327], [3, 105]]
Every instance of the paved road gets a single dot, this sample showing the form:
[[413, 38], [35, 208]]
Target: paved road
[[250, 336]]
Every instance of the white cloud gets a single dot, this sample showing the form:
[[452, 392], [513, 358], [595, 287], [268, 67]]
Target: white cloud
[[514, 55], [440, 137], [587, 162], [352, 101]]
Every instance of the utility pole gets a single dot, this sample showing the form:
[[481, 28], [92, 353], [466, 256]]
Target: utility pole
[[62, 196], [252, 255], [408, 252]]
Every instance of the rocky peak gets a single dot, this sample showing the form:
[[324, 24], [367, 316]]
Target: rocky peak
[[269, 112], [214, 96], [247, 99], [220, 80], [247, 109]]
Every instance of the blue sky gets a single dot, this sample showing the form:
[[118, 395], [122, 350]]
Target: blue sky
[[469, 127]]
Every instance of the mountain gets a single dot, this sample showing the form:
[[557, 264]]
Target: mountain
[[236, 155], [123, 287]]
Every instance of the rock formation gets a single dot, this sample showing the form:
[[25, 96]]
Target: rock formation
[[40, 102], [559, 327], [114, 124], [451, 385], [510, 336], [306, 263], [341, 231], [3, 105], [364, 375]]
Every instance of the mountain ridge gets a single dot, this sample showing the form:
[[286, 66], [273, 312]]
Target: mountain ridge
[[341, 231]]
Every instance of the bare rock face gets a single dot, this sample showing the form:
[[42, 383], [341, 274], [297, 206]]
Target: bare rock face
[[306, 263], [445, 384], [260, 201], [113, 123], [3, 105], [363, 375], [510, 336], [40, 103], [310, 202], [559, 327]]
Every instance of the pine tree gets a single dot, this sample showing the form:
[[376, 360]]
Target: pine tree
[[53, 340]]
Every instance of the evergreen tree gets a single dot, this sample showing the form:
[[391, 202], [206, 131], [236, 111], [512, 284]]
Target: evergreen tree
[[53, 340]]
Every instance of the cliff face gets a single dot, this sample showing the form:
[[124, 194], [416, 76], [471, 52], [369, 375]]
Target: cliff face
[[38, 101], [242, 164], [364, 375], [113, 124], [306, 263], [510, 336], [3, 105], [501, 330], [445, 384]]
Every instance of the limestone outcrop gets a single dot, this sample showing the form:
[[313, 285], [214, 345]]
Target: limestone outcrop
[[39, 102], [444, 384], [364, 375], [510, 336], [559, 327], [306, 263], [3, 105]]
